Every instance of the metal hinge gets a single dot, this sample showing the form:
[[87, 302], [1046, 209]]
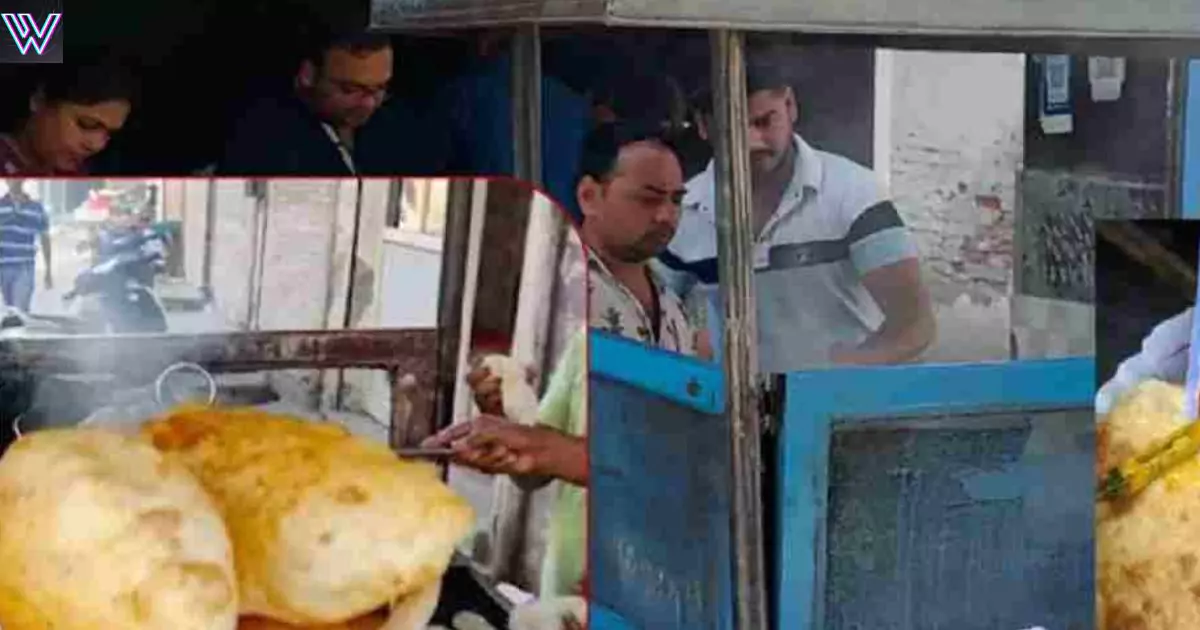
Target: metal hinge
[[770, 405]]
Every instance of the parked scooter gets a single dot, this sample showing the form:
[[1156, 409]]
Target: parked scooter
[[116, 294]]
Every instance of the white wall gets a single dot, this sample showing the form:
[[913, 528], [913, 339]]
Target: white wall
[[411, 276], [232, 252], [950, 139]]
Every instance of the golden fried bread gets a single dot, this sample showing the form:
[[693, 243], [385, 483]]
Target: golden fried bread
[[100, 530], [325, 527], [411, 613], [372, 621], [1147, 413], [1147, 556]]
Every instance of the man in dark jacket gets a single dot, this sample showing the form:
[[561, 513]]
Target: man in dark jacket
[[333, 122]]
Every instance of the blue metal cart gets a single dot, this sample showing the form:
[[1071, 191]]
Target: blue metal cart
[[911, 497]]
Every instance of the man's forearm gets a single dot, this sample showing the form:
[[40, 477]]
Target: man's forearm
[[909, 324], [568, 462], [896, 343]]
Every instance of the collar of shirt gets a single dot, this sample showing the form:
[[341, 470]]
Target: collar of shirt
[[612, 304], [286, 110], [341, 147], [601, 271]]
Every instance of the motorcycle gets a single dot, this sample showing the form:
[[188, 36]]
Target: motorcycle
[[116, 294]]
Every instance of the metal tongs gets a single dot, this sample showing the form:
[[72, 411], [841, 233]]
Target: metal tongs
[[419, 452], [1137, 473]]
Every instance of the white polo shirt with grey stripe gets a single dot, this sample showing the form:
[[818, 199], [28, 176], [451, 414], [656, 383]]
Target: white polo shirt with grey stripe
[[833, 226]]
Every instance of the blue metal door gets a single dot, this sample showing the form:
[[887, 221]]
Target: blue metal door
[[659, 517], [927, 497], [910, 498]]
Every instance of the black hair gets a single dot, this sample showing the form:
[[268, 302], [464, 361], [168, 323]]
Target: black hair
[[765, 74], [602, 146], [342, 32], [90, 82], [761, 74]]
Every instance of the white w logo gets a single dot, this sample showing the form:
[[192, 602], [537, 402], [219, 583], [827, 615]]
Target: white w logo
[[26, 32]]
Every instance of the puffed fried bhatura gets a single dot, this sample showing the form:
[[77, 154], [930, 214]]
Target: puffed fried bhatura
[[1147, 556], [221, 519]]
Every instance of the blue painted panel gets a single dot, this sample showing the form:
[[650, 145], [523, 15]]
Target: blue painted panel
[[925, 497], [681, 379], [479, 107], [659, 544], [1191, 144], [601, 618]]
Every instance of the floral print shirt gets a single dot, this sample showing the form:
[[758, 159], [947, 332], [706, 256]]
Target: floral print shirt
[[614, 309]]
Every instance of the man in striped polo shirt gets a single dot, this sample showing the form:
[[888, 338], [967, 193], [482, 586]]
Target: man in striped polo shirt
[[837, 276], [23, 222]]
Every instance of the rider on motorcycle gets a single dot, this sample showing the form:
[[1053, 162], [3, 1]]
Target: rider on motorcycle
[[119, 286]]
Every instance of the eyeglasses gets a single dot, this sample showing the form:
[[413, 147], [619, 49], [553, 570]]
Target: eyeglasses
[[376, 92]]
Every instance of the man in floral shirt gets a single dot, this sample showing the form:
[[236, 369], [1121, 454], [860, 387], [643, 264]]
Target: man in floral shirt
[[629, 191]]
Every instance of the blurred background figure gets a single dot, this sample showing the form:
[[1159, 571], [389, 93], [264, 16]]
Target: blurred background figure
[[317, 128], [23, 223], [838, 271]]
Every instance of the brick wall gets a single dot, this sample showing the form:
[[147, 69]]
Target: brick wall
[[955, 146]]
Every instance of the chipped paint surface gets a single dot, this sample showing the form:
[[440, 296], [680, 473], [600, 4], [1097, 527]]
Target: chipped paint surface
[[660, 549], [954, 514], [876, 466]]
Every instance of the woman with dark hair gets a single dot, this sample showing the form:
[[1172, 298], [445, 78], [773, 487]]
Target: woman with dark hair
[[72, 115]]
